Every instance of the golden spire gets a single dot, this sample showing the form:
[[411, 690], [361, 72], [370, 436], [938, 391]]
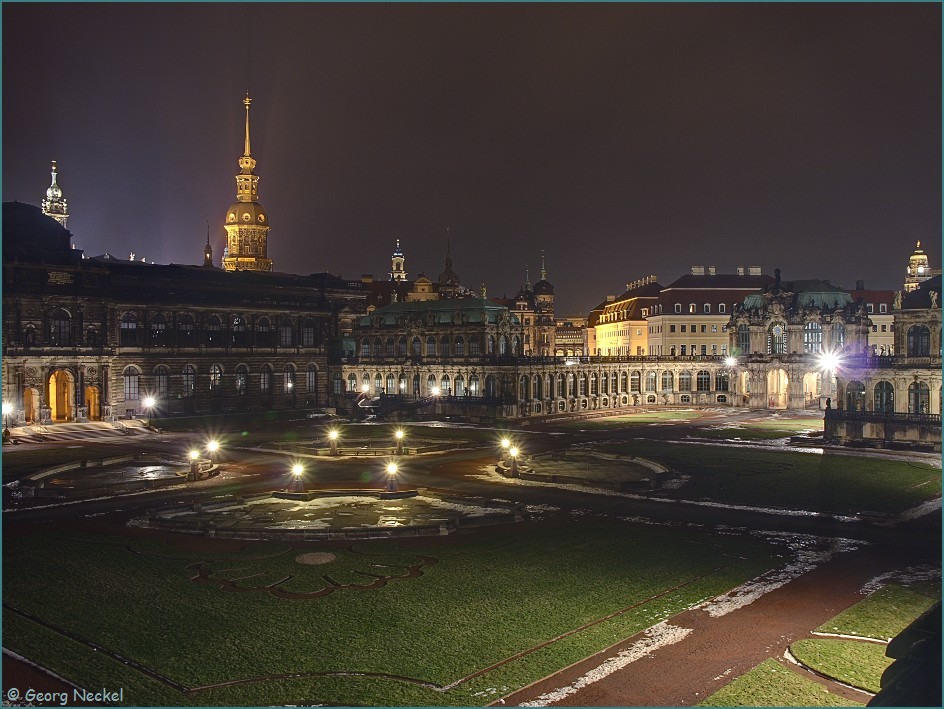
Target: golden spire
[[246, 102]]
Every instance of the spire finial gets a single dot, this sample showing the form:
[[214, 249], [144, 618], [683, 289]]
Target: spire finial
[[54, 169], [246, 102], [448, 251], [543, 270], [208, 232]]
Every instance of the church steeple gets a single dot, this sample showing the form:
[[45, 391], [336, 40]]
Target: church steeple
[[397, 265], [247, 224], [55, 205], [208, 250], [543, 270]]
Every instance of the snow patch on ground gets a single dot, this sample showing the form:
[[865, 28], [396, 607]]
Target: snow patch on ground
[[657, 636], [905, 577], [809, 552], [923, 509]]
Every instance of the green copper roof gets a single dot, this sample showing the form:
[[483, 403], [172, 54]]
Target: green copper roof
[[442, 312], [821, 294]]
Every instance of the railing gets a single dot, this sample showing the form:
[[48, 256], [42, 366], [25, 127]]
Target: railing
[[882, 416], [891, 361]]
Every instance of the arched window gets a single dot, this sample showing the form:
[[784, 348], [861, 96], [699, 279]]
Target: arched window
[[634, 381], [401, 384], [460, 385], [475, 345], [571, 385], [288, 379], [515, 346], [685, 381], [444, 346], [523, 388], [855, 396], [474, 385], [401, 347], [91, 336], [460, 350], [60, 328], [214, 332], [430, 346], [839, 336], [491, 389], [624, 382], [391, 387], [389, 346], [240, 335], [128, 330], [431, 384], [352, 383], [919, 398], [416, 385], [286, 333], [884, 398], [216, 380], [161, 382], [667, 381], [189, 381], [582, 385], [365, 347], [131, 377], [744, 339], [593, 385], [813, 337], [604, 383], [502, 345], [491, 345], [919, 341], [265, 380], [365, 383], [777, 339], [158, 331], [186, 333], [722, 379], [264, 332], [445, 387], [309, 333], [378, 384], [417, 346], [242, 380], [651, 378], [703, 381]]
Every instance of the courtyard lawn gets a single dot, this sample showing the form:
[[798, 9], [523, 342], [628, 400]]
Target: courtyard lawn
[[764, 429], [856, 663], [885, 613], [622, 420], [794, 480], [770, 684], [383, 624]]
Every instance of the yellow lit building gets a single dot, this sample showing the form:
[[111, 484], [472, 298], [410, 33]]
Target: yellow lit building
[[619, 324]]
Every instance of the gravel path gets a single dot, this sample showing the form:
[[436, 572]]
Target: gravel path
[[715, 650]]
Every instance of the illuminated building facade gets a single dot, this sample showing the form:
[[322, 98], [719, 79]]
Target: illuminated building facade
[[918, 269], [620, 325]]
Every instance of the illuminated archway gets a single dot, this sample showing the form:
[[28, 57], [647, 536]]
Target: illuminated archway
[[812, 388], [93, 400], [31, 403], [777, 383], [61, 396]]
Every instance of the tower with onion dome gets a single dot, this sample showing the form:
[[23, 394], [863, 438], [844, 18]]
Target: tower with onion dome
[[55, 205]]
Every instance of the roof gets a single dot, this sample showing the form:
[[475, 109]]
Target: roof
[[920, 298], [30, 235], [721, 280], [443, 312], [805, 293]]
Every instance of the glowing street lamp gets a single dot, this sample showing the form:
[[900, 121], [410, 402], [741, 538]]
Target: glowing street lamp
[[434, 391], [365, 388], [213, 447], [391, 477], [730, 361], [7, 410], [514, 462], [399, 436], [297, 471], [333, 440], [505, 444], [149, 402], [194, 464]]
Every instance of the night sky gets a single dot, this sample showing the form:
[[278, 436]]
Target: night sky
[[623, 139]]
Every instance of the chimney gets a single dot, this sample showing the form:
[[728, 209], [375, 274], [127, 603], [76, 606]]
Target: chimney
[[610, 298], [711, 270], [860, 285], [753, 270], [740, 270], [698, 270]]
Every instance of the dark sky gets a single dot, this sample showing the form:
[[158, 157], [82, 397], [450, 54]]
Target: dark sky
[[624, 139]]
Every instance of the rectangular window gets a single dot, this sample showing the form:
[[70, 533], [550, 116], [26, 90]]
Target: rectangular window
[[671, 328], [714, 328], [884, 328], [724, 350], [871, 308], [707, 307], [285, 335], [720, 307], [683, 328], [704, 328], [714, 349], [678, 307], [704, 349], [683, 350], [883, 307], [875, 328]]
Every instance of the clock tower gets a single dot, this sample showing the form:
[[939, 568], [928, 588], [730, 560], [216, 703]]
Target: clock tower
[[55, 205], [246, 223]]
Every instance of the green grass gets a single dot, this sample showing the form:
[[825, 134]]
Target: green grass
[[770, 684], [484, 600], [885, 613], [852, 662], [621, 420], [792, 480]]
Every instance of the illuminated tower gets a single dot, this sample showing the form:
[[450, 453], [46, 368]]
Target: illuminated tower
[[918, 269], [208, 250], [247, 224], [397, 264], [55, 205]]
